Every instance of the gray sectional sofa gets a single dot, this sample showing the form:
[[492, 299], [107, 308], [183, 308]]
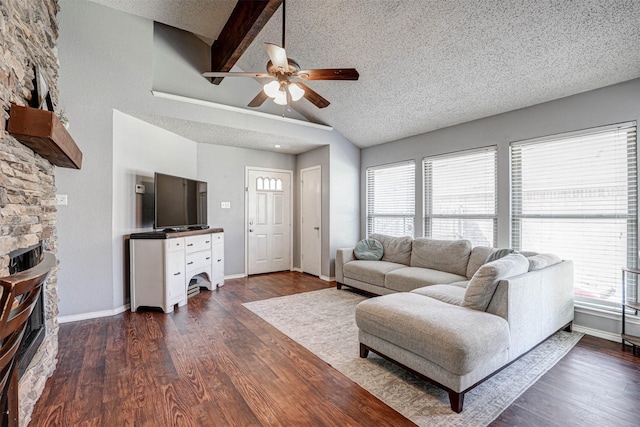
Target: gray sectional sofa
[[449, 316]]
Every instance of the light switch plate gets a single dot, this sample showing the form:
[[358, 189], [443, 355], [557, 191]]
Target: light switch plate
[[140, 189], [61, 199], [225, 205]]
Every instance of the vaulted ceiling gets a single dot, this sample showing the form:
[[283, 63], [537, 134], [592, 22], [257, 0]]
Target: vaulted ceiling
[[426, 65]]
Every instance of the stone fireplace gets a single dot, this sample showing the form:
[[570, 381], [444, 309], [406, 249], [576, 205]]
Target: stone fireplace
[[28, 37]]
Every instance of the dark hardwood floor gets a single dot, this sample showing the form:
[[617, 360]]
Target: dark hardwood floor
[[214, 363]]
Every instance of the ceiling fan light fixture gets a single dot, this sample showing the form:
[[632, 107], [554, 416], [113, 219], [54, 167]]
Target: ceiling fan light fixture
[[272, 89], [296, 92], [280, 98]]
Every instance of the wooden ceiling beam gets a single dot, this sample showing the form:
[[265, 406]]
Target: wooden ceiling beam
[[246, 21]]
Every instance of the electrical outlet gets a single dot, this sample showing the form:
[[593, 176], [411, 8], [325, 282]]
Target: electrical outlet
[[140, 189], [225, 205], [61, 199]]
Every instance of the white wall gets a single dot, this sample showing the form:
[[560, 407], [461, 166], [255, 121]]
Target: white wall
[[614, 104], [139, 150]]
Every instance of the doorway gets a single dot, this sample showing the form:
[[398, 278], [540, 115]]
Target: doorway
[[268, 220], [311, 220]]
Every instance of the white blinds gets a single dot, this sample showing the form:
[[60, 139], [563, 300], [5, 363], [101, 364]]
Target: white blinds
[[460, 196], [576, 196], [391, 199]]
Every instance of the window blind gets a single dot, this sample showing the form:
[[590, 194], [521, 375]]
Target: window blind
[[460, 196], [391, 199], [576, 196]]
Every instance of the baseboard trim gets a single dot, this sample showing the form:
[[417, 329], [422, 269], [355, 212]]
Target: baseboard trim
[[327, 279], [235, 276], [297, 270], [597, 333], [93, 315]]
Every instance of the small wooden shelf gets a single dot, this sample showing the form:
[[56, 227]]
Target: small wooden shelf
[[42, 131]]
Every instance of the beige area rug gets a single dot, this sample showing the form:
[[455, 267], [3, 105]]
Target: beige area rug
[[323, 322]]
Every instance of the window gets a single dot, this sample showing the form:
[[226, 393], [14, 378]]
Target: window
[[460, 196], [576, 196], [269, 184], [391, 199]]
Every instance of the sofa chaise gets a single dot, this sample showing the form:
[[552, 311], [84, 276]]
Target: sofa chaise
[[449, 316]]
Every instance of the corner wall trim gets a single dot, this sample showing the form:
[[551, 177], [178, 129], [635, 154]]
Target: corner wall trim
[[93, 315], [211, 104], [597, 333], [327, 279]]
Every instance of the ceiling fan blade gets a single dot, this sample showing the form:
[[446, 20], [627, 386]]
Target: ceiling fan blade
[[278, 56], [313, 96], [234, 74], [258, 100], [329, 74]]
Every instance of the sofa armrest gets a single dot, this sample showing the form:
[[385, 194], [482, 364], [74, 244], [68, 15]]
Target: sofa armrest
[[343, 256], [536, 305]]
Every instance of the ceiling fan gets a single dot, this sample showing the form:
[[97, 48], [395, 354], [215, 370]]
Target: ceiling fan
[[286, 76]]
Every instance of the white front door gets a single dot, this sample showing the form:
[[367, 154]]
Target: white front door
[[268, 220], [310, 220]]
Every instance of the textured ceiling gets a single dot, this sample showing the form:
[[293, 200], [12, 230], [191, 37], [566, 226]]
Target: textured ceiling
[[426, 65]]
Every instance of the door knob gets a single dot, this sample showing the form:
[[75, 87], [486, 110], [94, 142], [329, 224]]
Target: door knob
[[316, 228], [251, 230]]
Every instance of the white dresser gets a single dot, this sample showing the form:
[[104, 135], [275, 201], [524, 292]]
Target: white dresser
[[163, 264]]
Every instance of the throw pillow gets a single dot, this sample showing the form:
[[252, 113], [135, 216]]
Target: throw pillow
[[539, 261], [369, 249], [499, 253], [396, 249], [483, 284]]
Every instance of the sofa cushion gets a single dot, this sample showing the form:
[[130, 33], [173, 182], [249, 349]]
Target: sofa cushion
[[409, 278], [539, 261], [450, 294], [483, 284], [396, 249], [368, 249], [466, 339], [478, 258], [461, 283], [369, 271], [451, 256]]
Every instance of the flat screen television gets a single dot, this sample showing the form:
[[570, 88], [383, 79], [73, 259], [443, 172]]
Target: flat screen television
[[179, 203]]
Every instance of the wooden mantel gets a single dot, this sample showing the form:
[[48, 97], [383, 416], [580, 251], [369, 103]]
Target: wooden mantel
[[42, 131]]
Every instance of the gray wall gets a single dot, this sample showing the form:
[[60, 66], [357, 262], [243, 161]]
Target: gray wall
[[223, 168], [107, 63], [614, 104], [319, 156], [104, 60], [344, 193]]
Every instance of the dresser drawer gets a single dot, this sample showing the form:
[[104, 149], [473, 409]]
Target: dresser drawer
[[198, 260], [176, 244], [198, 243]]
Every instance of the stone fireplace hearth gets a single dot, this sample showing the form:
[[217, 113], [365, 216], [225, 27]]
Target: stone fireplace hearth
[[28, 37]]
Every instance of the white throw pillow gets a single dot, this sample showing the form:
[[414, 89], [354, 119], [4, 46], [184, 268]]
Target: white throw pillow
[[540, 261], [483, 284]]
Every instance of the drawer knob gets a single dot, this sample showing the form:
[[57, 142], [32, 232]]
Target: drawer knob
[[208, 257], [176, 274], [208, 241], [190, 244], [189, 263], [219, 260]]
